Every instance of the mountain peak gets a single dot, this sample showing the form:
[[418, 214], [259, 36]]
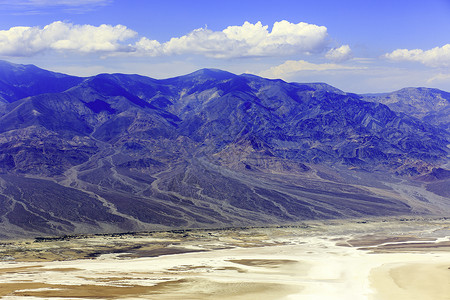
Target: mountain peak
[[216, 74], [208, 149], [20, 81], [4, 63]]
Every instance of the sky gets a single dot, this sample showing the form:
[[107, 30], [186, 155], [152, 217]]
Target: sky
[[359, 46]]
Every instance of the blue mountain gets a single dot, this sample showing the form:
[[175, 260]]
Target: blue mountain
[[117, 152]]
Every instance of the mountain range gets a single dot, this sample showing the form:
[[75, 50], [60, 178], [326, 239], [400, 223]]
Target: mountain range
[[116, 152]]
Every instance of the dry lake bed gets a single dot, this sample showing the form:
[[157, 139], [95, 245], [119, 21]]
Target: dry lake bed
[[353, 259]]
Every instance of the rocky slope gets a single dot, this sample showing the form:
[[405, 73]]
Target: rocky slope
[[429, 105], [118, 152], [19, 81]]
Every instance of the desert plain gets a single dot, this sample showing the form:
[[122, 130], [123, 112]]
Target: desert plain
[[396, 258]]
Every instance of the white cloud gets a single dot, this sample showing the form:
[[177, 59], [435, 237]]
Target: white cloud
[[204, 42], [242, 41], [292, 67], [436, 57], [248, 40], [342, 53], [27, 41], [150, 47]]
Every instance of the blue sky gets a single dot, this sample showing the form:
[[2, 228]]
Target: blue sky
[[357, 46]]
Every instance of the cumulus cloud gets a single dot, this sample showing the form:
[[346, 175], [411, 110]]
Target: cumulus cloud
[[203, 42], [342, 53], [248, 40], [242, 41], [436, 57], [26, 41], [291, 67]]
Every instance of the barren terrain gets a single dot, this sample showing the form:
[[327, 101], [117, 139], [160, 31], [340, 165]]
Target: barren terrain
[[353, 259]]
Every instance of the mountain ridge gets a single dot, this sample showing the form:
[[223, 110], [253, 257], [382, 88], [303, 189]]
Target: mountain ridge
[[429, 104], [210, 148]]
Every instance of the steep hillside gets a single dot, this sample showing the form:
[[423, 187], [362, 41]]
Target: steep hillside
[[429, 105], [19, 81], [117, 152]]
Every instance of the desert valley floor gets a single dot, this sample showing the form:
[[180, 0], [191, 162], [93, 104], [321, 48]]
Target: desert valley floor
[[352, 259]]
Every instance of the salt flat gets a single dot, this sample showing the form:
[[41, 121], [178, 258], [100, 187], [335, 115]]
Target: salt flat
[[357, 259]]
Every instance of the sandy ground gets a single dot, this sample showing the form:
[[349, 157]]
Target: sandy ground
[[352, 260]]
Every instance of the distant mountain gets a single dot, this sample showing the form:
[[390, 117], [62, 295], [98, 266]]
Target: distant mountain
[[430, 105], [117, 152], [20, 81]]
